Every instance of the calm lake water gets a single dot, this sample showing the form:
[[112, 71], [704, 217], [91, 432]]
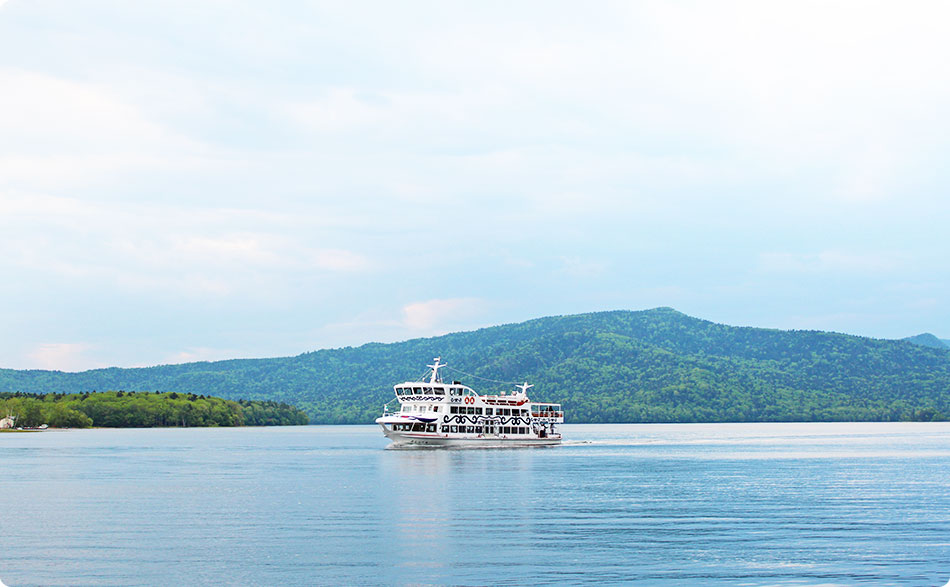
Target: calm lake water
[[750, 504]]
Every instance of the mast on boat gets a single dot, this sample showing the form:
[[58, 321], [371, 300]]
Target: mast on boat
[[435, 370]]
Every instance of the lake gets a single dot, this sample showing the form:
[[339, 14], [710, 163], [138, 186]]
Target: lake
[[722, 504]]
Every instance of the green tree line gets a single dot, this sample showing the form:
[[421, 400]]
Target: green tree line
[[120, 409]]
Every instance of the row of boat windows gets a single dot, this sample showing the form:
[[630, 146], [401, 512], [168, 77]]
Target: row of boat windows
[[455, 391], [545, 407], [485, 429], [414, 427], [488, 411], [473, 411], [419, 408], [420, 427]]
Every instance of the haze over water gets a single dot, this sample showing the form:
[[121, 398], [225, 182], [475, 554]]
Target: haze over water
[[750, 504]]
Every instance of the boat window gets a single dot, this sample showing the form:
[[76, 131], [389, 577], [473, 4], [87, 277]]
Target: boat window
[[478, 411], [430, 427], [440, 391], [488, 411], [453, 409], [435, 408], [478, 430], [426, 391], [453, 428], [444, 429], [417, 390]]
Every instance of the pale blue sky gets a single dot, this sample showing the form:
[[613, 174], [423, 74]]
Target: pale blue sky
[[185, 180]]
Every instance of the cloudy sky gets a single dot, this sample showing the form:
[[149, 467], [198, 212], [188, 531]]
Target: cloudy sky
[[195, 180]]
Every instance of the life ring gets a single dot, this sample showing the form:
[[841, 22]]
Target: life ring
[[469, 399]]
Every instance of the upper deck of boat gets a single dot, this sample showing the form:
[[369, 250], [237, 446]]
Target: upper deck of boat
[[436, 391]]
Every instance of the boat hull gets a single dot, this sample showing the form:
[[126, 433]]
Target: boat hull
[[422, 439]]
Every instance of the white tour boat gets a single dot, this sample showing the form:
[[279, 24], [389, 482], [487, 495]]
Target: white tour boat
[[435, 413]]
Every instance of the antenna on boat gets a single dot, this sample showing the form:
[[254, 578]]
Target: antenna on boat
[[524, 387], [435, 370]]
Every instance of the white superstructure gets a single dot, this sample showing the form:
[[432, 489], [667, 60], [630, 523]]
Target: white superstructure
[[436, 413]]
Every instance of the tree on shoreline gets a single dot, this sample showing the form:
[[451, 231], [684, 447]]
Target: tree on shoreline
[[121, 409]]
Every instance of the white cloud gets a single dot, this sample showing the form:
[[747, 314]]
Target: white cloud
[[831, 261], [338, 260], [417, 319], [577, 267], [439, 316], [232, 248], [196, 252], [59, 132], [40, 113], [193, 355], [62, 356]]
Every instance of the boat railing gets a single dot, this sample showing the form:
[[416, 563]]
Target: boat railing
[[389, 411]]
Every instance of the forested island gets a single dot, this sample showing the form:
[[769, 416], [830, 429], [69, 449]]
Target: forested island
[[120, 409], [655, 365]]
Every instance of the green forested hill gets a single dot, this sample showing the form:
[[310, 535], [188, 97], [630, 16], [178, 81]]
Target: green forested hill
[[927, 339], [650, 366]]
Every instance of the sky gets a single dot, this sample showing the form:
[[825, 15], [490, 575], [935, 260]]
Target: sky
[[202, 180]]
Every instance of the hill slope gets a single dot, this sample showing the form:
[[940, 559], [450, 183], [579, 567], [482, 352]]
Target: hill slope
[[927, 339], [650, 366]]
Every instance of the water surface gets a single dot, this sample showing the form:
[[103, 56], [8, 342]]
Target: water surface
[[750, 504]]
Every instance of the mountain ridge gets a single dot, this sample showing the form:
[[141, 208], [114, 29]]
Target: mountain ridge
[[929, 340], [656, 365]]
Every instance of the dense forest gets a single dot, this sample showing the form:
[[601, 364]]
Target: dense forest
[[651, 366], [119, 409]]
